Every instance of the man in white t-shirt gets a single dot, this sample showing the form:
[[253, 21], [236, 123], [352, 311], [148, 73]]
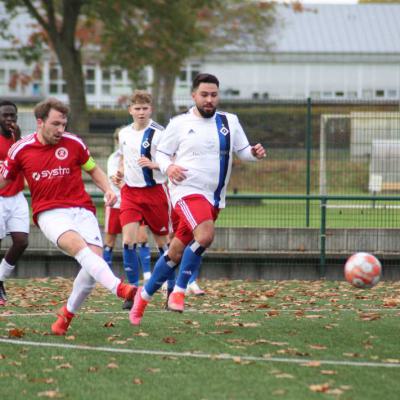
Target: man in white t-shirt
[[144, 196], [195, 152]]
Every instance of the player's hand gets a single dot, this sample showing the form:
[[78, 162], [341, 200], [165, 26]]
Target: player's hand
[[117, 179], [176, 173], [110, 198], [258, 151], [146, 162]]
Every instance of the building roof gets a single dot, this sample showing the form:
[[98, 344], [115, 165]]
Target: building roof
[[334, 28]]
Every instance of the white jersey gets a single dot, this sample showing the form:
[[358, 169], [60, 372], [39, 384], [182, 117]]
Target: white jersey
[[203, 146], [134, 144], [112, 168]]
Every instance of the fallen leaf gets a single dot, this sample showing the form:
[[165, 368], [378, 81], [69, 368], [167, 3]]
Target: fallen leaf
[[16, 332], [51, 394], [321, 388], [169, 340], [112, 365], [137, 381]]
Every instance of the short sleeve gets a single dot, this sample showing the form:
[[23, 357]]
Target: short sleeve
[[240, 141], [169, 139]]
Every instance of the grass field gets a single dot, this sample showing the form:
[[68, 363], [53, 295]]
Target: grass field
[[243, 340]]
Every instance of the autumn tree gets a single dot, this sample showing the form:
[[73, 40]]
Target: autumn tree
[[58, 22], [163, 34]]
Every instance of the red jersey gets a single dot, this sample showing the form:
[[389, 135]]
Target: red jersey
[[53, 172], [17, 185]]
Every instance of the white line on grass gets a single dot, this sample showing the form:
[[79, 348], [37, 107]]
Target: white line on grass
[[199, 355], [205, 311]]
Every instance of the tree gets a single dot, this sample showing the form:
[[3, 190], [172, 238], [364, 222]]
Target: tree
[[163, 34], [59, 21]]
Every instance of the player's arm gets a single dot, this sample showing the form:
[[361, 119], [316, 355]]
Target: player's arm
[[100, 179]]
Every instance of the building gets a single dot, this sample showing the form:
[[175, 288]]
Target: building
[[325, 52]]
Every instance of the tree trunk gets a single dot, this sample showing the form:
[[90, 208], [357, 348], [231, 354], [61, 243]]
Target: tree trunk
[[163, 92], [70, 61]]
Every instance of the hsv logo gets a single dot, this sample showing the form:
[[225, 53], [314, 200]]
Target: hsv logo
[[146, 144], [224, 130], [61, 153], [50, 173]]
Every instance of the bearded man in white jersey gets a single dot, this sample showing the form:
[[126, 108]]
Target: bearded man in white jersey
[[195, 152], [51, 161]]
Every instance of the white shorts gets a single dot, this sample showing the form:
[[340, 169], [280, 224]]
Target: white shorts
[[53, 223], [14, 214]]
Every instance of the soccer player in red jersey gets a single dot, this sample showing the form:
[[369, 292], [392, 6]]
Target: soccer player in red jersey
[[14, 209], [52, 160]]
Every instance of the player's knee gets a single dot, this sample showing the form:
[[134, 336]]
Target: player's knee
[[21, 242], [205, 239]]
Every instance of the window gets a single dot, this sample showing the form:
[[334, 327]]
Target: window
[[392, 93], [380, 93], [118, 75], [255, 95], [183, 75], [351, 95], [90, 88], [90, 74], [2, 75], [106, 74], [315, 94], [106, 89], [367, 94], [339, 94], [53, 88]]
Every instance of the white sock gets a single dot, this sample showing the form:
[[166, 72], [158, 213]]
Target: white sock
[[145, 295], [5, 269], [146, 275], [98, 269], [83, 285], [177, 289]]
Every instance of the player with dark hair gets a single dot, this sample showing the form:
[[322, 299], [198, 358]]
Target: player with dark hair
[[195, 152], [14, 210]]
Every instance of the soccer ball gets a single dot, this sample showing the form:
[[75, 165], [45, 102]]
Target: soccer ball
[[363, 270]]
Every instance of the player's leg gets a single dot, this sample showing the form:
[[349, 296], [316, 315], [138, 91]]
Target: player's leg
[[193, 286], [15, 220], [199, 215], [112, 227], [144, 251], [162, 271]]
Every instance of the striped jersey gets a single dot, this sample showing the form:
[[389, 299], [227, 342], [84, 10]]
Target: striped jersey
[[53, 172], [204, 146], [16, 185], [134, 144]]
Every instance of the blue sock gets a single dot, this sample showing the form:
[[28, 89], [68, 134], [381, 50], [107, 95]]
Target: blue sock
[[190, 263], [171, 276], [131, 264], [108, 255], [144, 255], [194, 276], [162, 269]]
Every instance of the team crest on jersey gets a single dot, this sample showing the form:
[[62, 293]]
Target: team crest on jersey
[[224, 130], [146, 144], [61, 153]]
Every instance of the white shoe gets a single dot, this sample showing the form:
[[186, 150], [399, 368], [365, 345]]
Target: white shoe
[[195, 289]]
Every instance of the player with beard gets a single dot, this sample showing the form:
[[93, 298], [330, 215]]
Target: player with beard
[[196, 154], [52, 161], [14, 210]]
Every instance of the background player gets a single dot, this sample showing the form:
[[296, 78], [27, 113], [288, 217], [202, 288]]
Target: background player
[[14, 210], [143, 196]]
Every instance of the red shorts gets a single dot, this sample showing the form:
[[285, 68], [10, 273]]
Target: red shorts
[[148, 204], [112, 224], [189, 212]]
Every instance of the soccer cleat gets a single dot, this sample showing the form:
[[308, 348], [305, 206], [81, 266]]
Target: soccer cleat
[[195, 289], [3, 296], [127, 305], [64, 318], [176, 301], [137, 311], [126, 291], [167, 293]]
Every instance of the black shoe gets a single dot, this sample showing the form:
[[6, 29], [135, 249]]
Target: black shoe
[[127, 304], [3, 296], [169, 291]]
